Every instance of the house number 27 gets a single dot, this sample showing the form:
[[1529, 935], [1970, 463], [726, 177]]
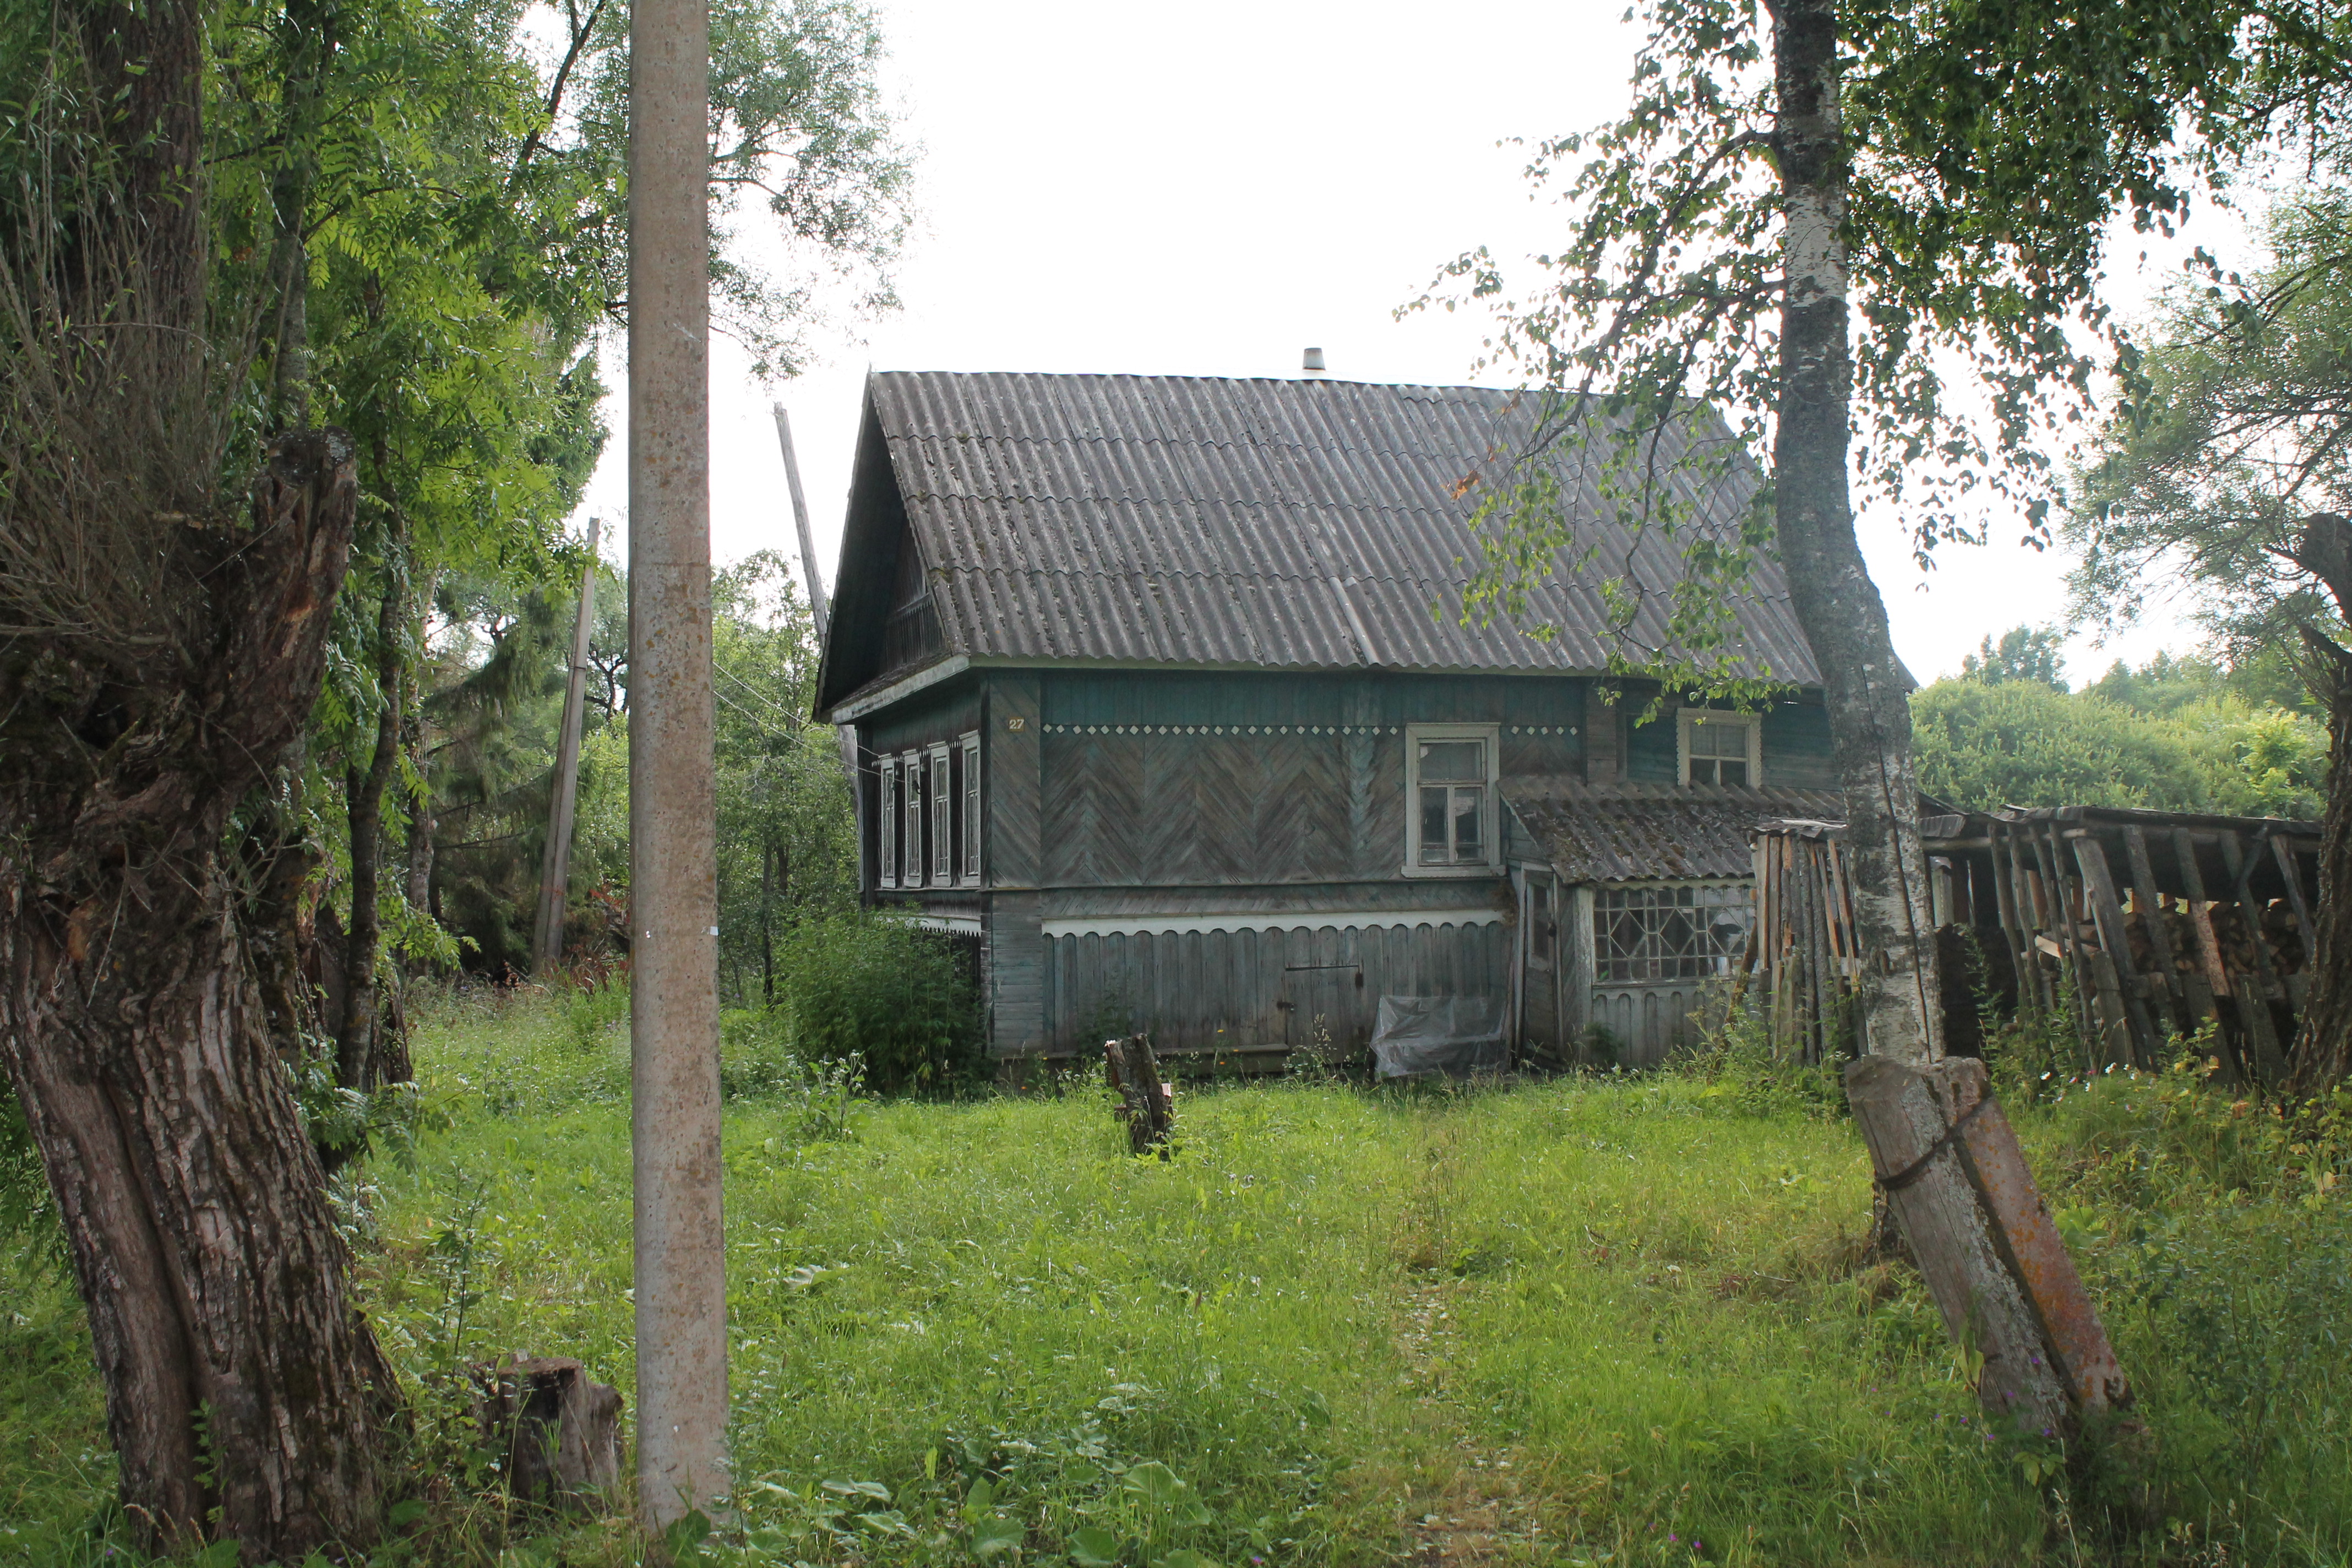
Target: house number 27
[[1016, 724]]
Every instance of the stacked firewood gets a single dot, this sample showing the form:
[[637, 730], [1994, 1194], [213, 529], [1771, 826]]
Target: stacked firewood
[[2281, 936]]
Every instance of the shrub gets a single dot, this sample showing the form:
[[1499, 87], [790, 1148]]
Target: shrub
[[886, 991]]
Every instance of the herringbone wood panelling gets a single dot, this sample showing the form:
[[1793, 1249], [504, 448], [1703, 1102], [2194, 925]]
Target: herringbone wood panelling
[[1181, 810], [1010, 780]]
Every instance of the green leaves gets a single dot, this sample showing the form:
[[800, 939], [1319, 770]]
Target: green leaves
[[1091, 1546]]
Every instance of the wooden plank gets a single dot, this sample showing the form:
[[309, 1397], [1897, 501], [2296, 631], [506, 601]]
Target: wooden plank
[[2201, 912], [2022, 967], [2025, 910], [2060, 914], [1016, 975], [2293, 875], [1906, 1117], [2028, 1241], [2143, 1045], [2148, 904], [2253, 992], [2262, 1031]]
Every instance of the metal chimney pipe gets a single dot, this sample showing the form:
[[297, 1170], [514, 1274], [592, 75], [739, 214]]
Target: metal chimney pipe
[[1312, 365]]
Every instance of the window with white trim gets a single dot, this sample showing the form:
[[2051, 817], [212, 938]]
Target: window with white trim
[[1719, 748], [886, 821], [1450, 799], [910, 773], [971, 808], [943, 800]]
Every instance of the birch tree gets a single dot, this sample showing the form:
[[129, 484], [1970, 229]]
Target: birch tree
[[1873, 236]]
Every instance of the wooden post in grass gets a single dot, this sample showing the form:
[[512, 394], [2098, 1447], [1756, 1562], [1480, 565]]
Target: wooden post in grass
[[1147, 1101], [1949, 1164]]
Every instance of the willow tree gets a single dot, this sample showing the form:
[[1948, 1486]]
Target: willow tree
[[1873, 236], [168, 577], [2232, 477]]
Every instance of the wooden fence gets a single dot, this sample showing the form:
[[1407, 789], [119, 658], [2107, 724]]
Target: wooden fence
[[2139, 925]]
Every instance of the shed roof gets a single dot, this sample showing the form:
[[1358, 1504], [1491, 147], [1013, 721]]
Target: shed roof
[[1628, 832], [1285, 523]]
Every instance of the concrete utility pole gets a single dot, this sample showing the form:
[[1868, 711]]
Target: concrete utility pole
[[681, 1283], [555, 866], [800, 521]]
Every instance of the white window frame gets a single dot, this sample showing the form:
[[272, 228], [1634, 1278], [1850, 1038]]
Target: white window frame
[[970, 741], [885, 821], [1689, 718], [1491, 824], [939, 802], [910, 799]]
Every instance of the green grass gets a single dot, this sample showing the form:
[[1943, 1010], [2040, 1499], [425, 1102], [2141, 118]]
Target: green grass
[[1626, 1320]]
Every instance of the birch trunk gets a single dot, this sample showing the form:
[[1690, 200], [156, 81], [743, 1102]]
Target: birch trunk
[[245, 1397], [1867, 692]]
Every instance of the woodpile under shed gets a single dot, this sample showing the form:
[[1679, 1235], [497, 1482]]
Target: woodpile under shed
[[2141, 926]]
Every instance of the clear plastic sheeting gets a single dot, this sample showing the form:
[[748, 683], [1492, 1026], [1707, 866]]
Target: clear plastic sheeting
[[1420, 1035]]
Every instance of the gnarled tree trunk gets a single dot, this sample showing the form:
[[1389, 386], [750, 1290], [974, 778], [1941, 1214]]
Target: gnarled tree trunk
[[1844, 620], [2323, 1044], [133, 1025]]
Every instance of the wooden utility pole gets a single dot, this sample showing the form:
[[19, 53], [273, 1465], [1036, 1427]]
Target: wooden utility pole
[[555, 866], [680, 1286], [845, 734], [800, 521]]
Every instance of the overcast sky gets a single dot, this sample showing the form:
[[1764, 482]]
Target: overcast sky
[[1209, 189]]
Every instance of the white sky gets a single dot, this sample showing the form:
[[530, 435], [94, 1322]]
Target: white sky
[[1208, 189]]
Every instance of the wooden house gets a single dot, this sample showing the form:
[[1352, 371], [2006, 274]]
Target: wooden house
[[1164, 698]]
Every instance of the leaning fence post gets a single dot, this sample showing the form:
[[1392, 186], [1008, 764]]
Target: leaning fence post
[[1949, 1161]]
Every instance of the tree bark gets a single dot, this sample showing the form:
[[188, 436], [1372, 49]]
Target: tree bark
[[361, 1060], [1865, 687], [2323, 1043], [246, 1397]]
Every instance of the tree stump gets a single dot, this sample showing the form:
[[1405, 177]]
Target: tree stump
[[1949, 1166], [1147, 1101], [558, 1432]]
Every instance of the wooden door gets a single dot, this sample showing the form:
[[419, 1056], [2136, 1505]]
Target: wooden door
[[1540, 967], [1330, 995]]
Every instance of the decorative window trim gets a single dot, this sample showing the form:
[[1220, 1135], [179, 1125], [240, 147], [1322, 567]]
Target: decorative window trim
[[911, 859], [939, 799], [972, 818], [1490, 825], [1688, 718], [885, 821]]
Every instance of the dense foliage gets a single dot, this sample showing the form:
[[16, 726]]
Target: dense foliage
[[2175, 734]]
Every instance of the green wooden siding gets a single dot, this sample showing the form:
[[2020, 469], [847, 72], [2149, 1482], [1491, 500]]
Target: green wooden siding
[[1796, 749]]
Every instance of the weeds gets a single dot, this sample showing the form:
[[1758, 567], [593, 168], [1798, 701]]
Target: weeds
[[976, 1333]]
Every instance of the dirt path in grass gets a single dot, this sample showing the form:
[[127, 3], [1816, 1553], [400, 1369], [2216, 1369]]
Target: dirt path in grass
[[1471, 1515]]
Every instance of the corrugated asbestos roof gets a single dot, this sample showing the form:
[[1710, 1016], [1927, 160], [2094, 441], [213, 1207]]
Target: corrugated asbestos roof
[[1276, 523], [1620, 833]]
